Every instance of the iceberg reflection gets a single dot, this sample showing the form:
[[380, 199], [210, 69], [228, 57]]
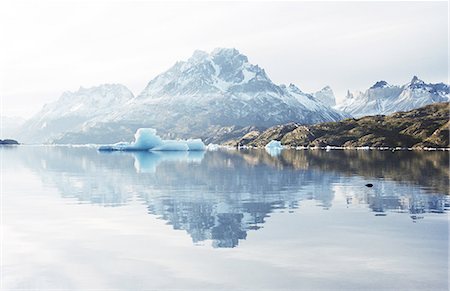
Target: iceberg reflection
[[147, 162]]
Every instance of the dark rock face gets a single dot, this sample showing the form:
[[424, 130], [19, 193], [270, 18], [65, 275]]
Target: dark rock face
[[424, 127], [8, 142], [379, 84]]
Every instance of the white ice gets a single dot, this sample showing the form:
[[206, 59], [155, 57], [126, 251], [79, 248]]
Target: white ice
[[274, 148], [212, 147], [196, 145], [171, 145], [274, 144], [146, 139]]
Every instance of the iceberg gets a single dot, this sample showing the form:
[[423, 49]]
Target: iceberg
[[274, 144], [146, 139], [274, 148], [212, 147], [196, 145]]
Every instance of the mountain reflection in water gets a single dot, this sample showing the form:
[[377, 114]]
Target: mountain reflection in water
[[219, 196]]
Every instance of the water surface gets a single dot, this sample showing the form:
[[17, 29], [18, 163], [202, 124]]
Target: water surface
[[77, 219]]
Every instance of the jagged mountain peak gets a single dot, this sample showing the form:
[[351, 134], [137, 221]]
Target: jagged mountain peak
[[326, 96], [218, 55], [380, 84], [213, 73], [416, 83], [98, 88], [229, 54], [416, 79], [94, 95], [294, 88], [198, 55]]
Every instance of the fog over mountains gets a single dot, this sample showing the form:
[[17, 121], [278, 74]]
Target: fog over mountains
[[9, 126], [210, 94]]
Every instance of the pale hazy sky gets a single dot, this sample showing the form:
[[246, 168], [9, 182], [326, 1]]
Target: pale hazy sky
[[48, 47]]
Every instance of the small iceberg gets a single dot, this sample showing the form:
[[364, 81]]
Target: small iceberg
[[146, 139], [274, 147], [196, 144], [274, 144], [212, 147]]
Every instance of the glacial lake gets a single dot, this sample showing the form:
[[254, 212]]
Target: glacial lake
[[74, 218]]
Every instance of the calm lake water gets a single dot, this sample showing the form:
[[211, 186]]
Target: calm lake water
[[77, 219]]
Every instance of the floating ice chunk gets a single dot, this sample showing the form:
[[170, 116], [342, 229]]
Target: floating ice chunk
[[146, 138], [274, 144], [196, 144], [274, 148], [212, 147], [172, 145]]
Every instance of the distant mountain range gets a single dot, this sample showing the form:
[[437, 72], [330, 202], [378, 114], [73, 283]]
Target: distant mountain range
[[383, 98], [213, 96]]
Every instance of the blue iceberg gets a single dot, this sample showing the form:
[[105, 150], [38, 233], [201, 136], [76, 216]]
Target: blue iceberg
[[146, 139], [274, 144], [274, 147]]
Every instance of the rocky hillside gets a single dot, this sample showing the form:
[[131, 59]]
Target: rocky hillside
[[423, 127]]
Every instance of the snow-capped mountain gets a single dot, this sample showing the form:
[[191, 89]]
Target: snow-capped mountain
[[197, 97], [326, 96], [383, 98], [231, 91], [73, 109]]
